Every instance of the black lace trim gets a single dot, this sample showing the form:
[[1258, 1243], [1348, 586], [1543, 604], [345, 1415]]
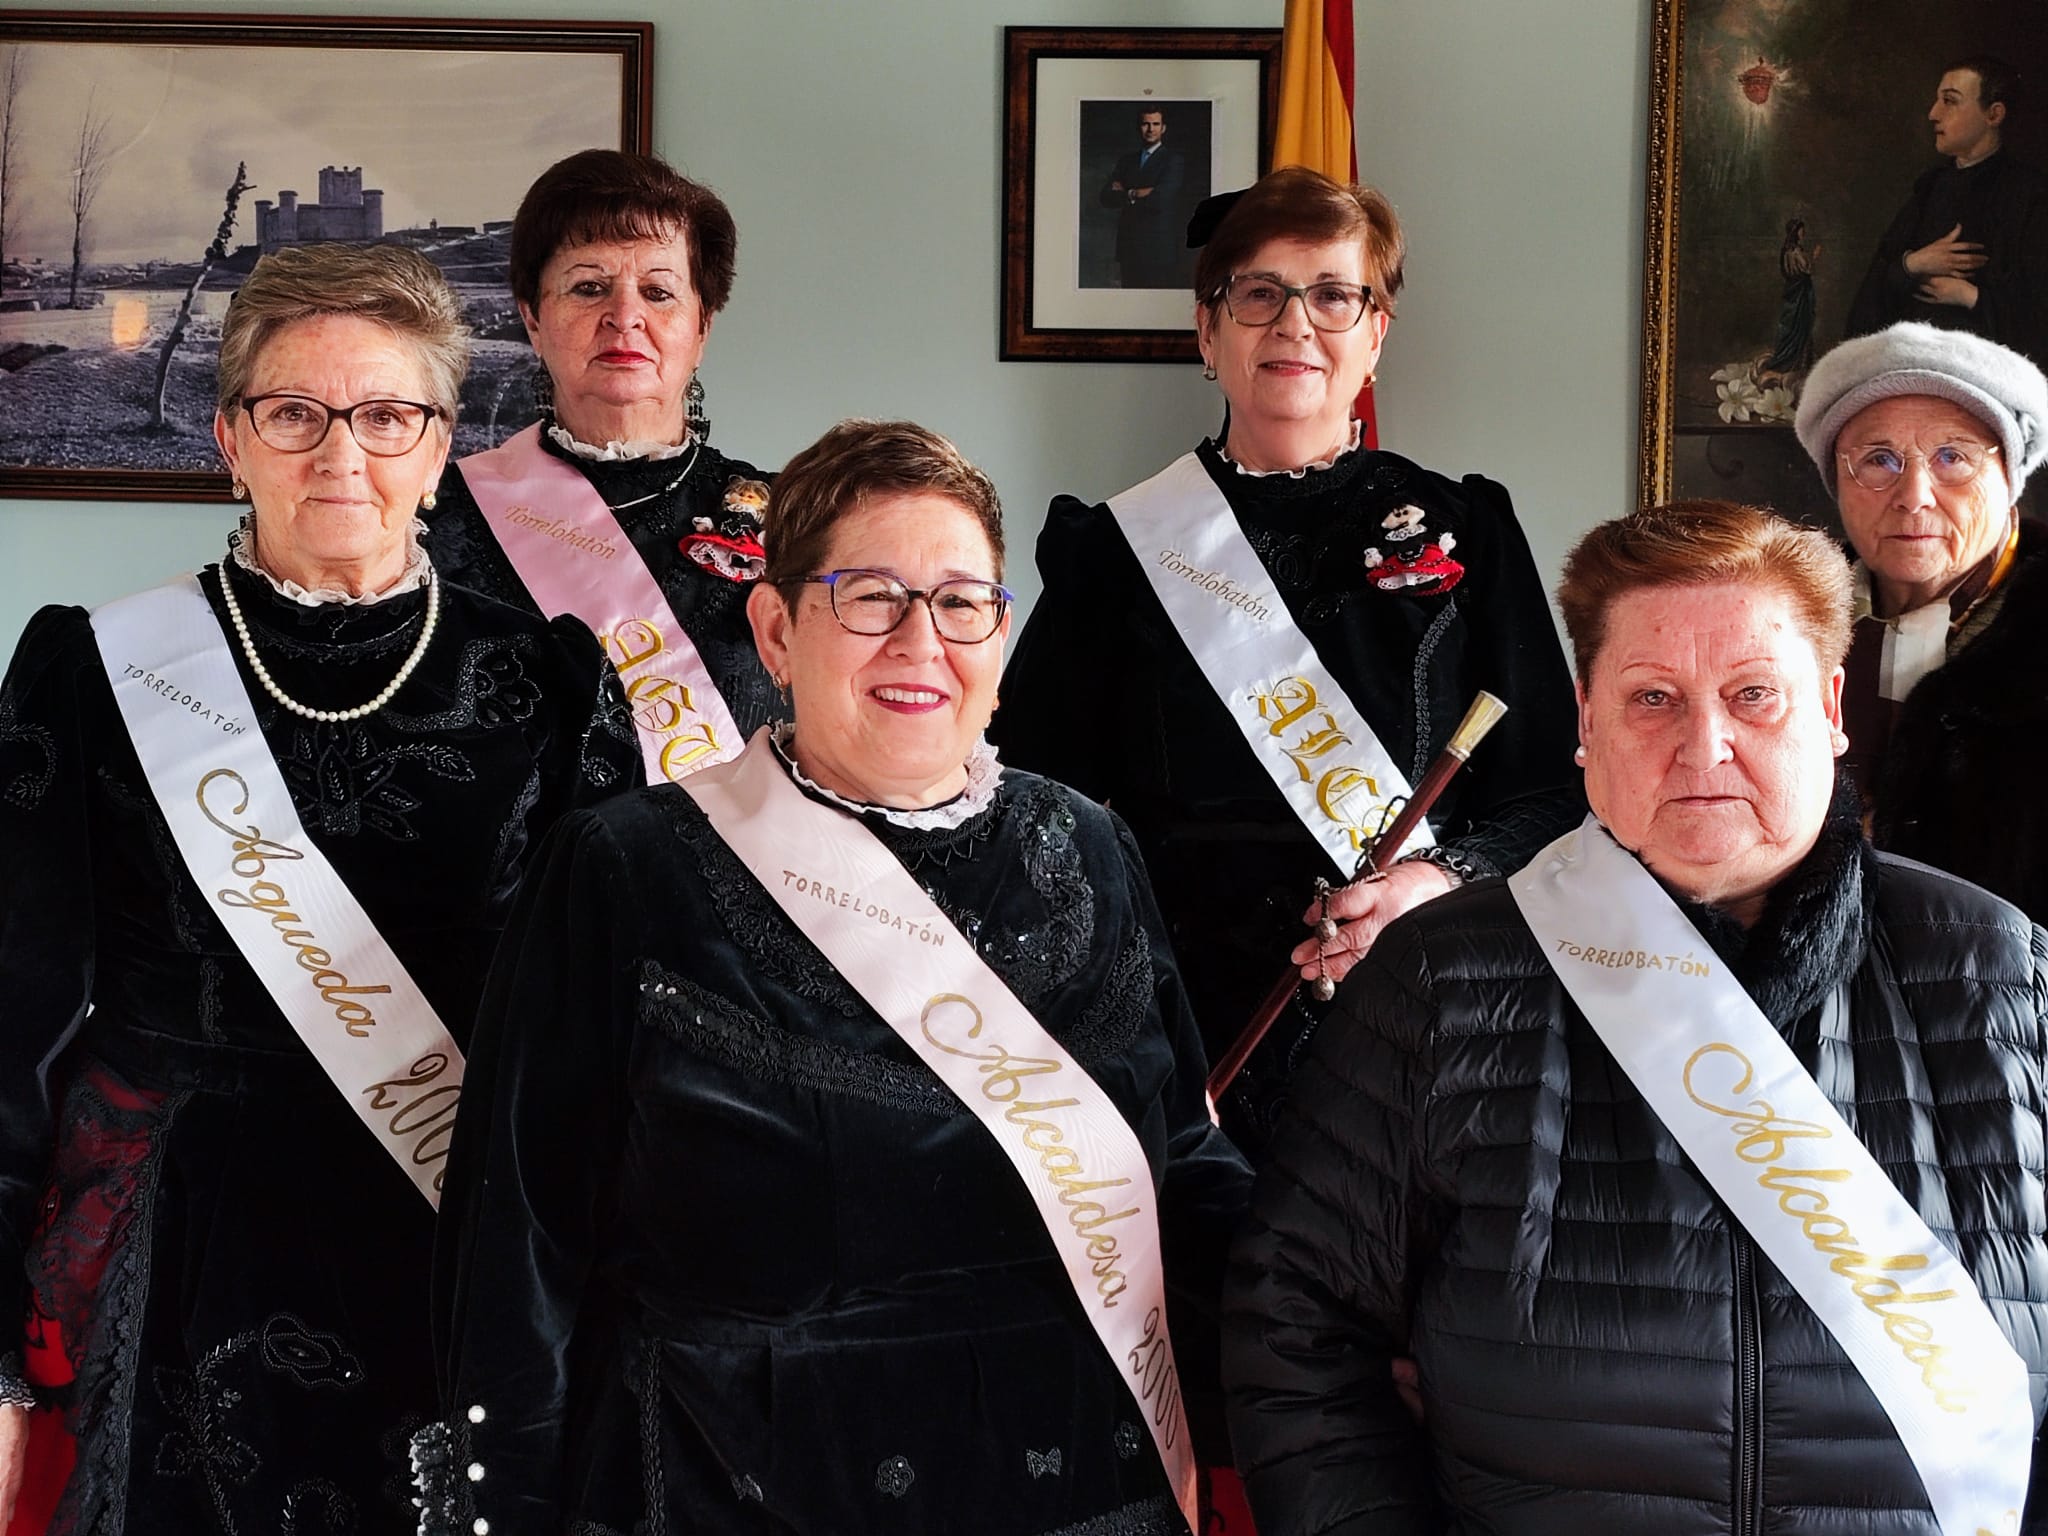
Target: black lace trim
[[653, 1484], [1157, 1516], [719, 1029], [749, 914], [440, 1452], [942, 847], [1113, 1020], [15, 1392], [1425, 654]]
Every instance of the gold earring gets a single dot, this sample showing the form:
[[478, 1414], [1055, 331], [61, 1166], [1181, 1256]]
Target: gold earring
[[238, 490], [427, 502]]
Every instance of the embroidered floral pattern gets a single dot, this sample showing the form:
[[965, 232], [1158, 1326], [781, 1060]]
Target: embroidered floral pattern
[[345, 780], [316, 1507], [894, 1476], [1042, 1463], [1106, 1030], [721, 1031], [312, 1359], [1129, 1440], [1037, 958], [28, 759]]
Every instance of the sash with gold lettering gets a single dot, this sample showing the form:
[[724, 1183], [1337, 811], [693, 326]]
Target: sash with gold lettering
[[575, 558], [1755, 1123], [1075, 1154], [1310, 738], [307, 938]]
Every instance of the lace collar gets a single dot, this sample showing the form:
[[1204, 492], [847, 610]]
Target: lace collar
[[613, 452], [417, 569], [984, 773], [1357, 437]]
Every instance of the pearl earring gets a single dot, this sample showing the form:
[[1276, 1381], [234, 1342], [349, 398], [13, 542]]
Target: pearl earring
[[1579, 757], [427, 502]]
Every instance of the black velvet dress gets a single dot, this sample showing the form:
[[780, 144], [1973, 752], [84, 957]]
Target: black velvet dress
[[708, 595], [721, 1255], [1102, 693], [224, 1276]]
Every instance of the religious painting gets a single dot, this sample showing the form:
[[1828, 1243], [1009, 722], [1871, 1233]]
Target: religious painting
[[1112, 136], [1797, 155], [147, 162]]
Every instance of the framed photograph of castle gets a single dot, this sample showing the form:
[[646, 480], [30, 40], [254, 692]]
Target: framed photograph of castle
[[1798, 155], [147, 161]]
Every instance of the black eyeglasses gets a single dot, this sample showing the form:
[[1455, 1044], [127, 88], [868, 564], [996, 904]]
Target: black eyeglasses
[[1262, 300], [964, 610], [385, 429]]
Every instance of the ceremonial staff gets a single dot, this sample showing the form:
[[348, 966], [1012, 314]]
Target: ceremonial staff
[[1481, 717]]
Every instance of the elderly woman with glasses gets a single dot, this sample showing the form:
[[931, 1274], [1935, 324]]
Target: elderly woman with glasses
[[1926, 437], [836, 1129], [259, 830], [1253, 654]]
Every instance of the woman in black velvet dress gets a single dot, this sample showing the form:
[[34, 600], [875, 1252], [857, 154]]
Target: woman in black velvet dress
[[216, 1278], [620, 265], [1414, 591], [721, 1252]]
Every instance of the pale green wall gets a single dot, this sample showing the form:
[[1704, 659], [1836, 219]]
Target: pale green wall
[[859, 144]]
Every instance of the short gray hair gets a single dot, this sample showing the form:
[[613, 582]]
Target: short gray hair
[[389, 284]]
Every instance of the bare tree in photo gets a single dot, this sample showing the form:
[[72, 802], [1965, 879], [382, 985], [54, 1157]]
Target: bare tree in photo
[[218, 251], [88, 170], [12, 74]]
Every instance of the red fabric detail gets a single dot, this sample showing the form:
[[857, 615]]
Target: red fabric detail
[[1224, 1510], [1338, 38]]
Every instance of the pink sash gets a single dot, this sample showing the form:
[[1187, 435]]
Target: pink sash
[[575, 558], [1076, 1155]]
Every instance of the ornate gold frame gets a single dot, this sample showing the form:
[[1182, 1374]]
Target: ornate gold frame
[[1660, 246]]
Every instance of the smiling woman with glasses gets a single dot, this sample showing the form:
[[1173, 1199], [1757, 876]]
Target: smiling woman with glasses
[[1926, 437], [310, 779], [1288, 586], [797, 1275]]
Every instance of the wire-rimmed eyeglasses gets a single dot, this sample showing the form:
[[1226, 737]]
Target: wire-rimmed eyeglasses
[[1880, 468], [1331, 306], [965, 610], [386, 429]]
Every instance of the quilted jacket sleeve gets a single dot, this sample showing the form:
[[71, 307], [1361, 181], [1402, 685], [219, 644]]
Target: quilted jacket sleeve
[[1321, 1281]]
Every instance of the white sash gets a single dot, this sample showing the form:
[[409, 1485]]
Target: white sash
[[304, 934], [1075, 1154], [1776, 1151], [574, 557], [1312, 740]]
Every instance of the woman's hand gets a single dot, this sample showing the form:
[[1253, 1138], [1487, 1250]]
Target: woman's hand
[[13, 1459], [1362, 909]]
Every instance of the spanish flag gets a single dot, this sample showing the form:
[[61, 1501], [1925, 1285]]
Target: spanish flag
[[1314, 128]]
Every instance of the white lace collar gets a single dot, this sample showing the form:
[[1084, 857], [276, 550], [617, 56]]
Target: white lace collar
[[984, 773], [417, 569], [1357, 437], [615, 451]]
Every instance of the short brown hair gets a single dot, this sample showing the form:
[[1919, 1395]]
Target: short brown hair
[[852, 464], [1296, 203], [397, 288], [607, 194], [1706, 543]]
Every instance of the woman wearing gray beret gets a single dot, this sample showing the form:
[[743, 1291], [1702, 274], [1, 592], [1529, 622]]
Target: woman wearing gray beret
[[1926, 437]]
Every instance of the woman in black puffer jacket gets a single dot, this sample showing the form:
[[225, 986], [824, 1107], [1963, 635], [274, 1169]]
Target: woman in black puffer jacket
[[1469, 1177]]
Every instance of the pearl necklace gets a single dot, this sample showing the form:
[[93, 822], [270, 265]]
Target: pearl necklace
[[227, 592]]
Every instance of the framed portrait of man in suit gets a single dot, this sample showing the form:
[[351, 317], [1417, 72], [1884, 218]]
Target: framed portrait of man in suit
[[1112, 136], [1818, 172]]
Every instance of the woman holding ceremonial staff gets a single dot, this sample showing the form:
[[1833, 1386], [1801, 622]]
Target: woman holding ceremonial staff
[[891, 1159], [1251, 655], [1698, 1165], [259, 830], [617, 509]]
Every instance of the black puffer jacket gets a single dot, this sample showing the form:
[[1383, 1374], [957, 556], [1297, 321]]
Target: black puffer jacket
[[1465, 1175]]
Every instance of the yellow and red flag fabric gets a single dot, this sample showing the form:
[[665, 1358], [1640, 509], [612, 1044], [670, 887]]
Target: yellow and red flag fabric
[[1314, 125]]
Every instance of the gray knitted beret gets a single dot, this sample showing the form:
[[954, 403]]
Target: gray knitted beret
[[1993, 383]]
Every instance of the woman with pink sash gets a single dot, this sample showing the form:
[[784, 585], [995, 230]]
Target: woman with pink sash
[[615, 507], [835, 1155]]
